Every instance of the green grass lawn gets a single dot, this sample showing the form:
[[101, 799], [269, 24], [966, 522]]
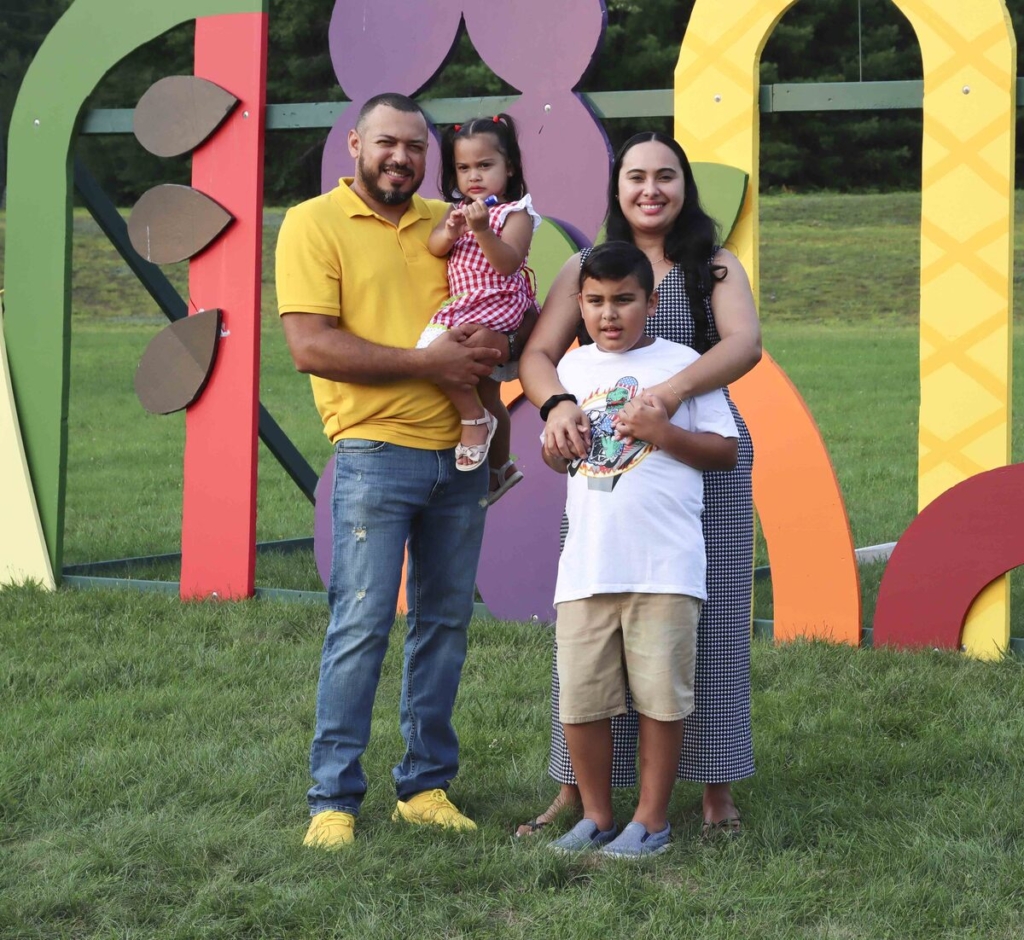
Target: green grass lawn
[[153, 754], [153, 767]]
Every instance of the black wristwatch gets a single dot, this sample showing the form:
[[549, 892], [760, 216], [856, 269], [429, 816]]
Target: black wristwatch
[[545, 409], [514, 352]]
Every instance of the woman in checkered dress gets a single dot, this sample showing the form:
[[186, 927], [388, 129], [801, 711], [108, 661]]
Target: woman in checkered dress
[[704, 301], [486, 237]]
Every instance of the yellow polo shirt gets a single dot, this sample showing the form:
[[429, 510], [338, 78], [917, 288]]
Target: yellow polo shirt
[[337, 257]]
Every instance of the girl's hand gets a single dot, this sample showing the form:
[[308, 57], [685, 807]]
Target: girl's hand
[[644, 418], [477, 215], [455, 226], [567, 431]]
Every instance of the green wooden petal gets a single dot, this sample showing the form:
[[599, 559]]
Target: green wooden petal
[[722, 191], [551, 247]]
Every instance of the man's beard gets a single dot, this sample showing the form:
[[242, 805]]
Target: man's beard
[[387, 197]]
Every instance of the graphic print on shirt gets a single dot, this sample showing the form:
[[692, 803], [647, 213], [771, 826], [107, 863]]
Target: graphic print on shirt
[[608, 457]]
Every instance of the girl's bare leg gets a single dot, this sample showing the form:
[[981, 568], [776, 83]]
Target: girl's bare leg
[[490, 395], [468, 406]]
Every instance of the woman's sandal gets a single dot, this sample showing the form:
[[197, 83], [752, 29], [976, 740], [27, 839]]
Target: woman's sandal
[[501, 482], [729, 828], [475, 453], [556, 810]]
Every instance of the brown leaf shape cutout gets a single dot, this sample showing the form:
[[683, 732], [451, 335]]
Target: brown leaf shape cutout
[[170, 223], [176, 365], [177, 113]]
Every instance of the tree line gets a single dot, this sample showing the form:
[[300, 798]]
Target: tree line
[[816, 41]]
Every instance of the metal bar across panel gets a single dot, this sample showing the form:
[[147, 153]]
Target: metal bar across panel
[[657, 102]]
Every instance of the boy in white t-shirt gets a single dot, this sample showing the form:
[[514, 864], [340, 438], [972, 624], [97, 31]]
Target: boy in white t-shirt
[[631, 577]]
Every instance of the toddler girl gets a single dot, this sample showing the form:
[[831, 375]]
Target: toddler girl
[[486, 236]]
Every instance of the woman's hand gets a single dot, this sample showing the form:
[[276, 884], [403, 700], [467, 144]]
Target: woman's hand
[[644, 418], [567, 431], [625, 421]]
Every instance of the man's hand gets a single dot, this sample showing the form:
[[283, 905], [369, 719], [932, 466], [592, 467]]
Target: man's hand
[[478, 335], [451, 361]]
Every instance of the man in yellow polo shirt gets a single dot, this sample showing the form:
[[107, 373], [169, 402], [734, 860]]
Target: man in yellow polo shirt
[[356, 285]]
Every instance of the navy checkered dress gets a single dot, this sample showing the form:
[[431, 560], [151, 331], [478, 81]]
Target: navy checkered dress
[[717, 746]]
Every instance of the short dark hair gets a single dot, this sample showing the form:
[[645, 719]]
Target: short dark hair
[[388, 99], [504, 130], [615, 261]]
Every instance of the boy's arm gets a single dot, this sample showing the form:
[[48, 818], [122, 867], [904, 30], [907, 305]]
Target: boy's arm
[[702, 450], [507, 252], [446, 233], [554, 460]]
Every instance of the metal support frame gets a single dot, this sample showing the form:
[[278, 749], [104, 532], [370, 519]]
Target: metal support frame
[[773, 99]]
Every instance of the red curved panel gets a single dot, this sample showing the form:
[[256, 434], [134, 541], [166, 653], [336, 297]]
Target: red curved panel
[[959, 543]]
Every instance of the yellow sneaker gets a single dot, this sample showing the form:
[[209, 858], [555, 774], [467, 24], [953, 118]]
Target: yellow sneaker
[[331, 830], [432, 808]]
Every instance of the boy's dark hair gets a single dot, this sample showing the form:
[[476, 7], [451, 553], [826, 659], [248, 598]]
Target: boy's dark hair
[[615, 261], [504, 130], [389, 99]]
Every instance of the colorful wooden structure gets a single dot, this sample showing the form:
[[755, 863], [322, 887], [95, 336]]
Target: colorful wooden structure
[[968, 50]]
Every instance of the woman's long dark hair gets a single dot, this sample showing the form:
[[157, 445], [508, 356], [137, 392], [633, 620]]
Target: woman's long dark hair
[[689, 243], [504, 130]]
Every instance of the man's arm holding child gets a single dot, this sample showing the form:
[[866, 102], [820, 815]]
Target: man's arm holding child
[[319, 346], [702, 450]]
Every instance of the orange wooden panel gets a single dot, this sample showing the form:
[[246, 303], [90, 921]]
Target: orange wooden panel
[[814, 567]]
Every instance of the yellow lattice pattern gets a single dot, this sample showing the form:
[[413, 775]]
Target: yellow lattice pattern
[[716, 87], [966, 260], [969, 54]]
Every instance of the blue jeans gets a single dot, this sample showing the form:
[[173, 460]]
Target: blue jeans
[[385, 496]]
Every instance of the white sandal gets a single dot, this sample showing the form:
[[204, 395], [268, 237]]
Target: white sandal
[[476, 453], [502, 481]]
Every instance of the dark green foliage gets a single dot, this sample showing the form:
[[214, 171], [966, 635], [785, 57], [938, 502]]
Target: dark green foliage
[[862, 150], [816, 41]]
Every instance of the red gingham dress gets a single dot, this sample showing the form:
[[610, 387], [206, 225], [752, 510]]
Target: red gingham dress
[[479, 294]]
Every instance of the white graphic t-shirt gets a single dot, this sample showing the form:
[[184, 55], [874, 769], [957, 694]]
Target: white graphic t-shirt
[[634, 511]]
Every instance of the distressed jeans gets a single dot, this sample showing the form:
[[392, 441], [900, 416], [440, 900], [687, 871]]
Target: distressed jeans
[[384, 497]]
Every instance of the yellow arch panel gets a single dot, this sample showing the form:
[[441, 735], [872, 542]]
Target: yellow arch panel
[[23, 555], [969, 55], [814, 568]]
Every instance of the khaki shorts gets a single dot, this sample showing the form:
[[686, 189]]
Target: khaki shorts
[[606, 641]]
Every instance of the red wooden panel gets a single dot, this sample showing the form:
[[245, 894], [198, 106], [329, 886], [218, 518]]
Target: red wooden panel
[[218, 536], [959, 543]]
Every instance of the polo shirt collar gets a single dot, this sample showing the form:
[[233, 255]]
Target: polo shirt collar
[[416, 209]]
